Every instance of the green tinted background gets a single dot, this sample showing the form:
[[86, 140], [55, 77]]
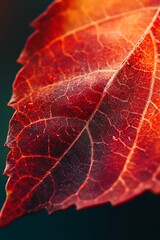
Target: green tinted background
[[137, 219]]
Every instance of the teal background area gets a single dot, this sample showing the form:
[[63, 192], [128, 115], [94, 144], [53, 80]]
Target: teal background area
[[138, 219]]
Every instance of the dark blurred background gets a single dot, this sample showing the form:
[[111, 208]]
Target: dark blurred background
[[138, 219]]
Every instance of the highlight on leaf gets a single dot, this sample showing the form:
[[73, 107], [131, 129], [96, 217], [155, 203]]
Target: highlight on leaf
[[86, 127]]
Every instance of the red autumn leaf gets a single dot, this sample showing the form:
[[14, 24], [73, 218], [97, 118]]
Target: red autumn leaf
[[86, 129]]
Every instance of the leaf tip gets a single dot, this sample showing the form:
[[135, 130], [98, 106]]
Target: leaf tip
[[10, 211]]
